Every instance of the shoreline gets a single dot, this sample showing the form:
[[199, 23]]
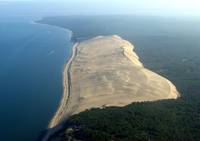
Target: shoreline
[[54, 26], [57, 118], [56, 123]]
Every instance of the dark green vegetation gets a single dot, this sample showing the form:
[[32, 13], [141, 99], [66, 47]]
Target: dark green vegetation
[[167, 120], [158, 121], [168, 46]]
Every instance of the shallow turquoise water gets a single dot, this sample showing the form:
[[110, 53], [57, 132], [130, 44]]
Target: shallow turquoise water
[[31, 62]]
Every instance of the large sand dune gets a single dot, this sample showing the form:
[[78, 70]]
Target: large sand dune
[[107, 72]]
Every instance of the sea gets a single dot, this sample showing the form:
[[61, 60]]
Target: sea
[[32, 57]]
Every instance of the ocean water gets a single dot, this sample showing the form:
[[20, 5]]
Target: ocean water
[[31, 63]]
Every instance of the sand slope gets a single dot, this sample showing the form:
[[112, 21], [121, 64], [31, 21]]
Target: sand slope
[[107, 72]]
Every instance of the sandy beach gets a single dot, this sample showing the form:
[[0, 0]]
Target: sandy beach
[[68, 101], [64, 104]]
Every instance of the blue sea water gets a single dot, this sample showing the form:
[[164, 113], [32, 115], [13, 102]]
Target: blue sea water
[[31, 62]]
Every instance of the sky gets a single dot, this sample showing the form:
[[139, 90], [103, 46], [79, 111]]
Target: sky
[[88, 7]]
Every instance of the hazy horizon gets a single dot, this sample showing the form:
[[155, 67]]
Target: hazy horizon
[[100, 7]]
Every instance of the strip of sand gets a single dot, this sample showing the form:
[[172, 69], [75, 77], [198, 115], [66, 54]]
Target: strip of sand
[[64, 104]]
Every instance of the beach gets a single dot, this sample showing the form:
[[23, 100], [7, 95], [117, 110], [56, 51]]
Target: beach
[[67, 102], [64, 109]]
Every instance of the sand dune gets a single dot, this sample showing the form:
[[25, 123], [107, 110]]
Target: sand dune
[[107, 72]]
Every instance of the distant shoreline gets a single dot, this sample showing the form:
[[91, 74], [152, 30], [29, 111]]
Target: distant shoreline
[[59, 27], [39, 22]]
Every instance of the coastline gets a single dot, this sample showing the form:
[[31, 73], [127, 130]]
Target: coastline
[[57, 118], [37, 21], [55, 123], [65, 96], [60, 115]]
